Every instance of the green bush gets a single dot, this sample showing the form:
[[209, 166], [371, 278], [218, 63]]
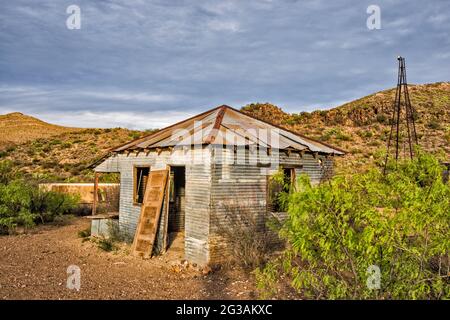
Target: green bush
[[135, 134], [106, 244], [85, 233], [337, 133], [23, 203], [338, 231], [365, 133], [434, 125], [381, 118], [7, 171]]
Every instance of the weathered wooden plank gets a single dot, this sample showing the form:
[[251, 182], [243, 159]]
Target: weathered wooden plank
[[150, 213]]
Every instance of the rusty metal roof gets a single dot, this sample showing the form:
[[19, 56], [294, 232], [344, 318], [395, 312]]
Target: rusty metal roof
[[225, 125]]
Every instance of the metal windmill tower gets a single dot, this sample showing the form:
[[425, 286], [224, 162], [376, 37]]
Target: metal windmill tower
[[396, 139]]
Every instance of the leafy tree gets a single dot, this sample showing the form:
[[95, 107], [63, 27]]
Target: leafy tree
[[7, 172], [23, 203], [340, 232]]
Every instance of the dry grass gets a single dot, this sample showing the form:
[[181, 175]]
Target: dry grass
[[58, 153], [53, 153], [29, 128], [361, 127]]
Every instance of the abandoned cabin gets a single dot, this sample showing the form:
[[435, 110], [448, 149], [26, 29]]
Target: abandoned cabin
[[188, 177]]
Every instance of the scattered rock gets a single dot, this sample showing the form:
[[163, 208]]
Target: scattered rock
[[206, 270]]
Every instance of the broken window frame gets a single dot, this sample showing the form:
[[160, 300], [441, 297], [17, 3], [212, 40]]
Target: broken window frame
[[138, 198], [273, 204]]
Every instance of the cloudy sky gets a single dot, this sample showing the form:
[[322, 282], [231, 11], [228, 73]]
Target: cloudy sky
[[146, 64]]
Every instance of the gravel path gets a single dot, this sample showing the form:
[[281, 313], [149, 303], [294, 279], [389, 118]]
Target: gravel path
[[34, 266]]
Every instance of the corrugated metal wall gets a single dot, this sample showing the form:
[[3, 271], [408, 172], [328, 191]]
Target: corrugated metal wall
[[198, 181], [241, 189], [213, 190]]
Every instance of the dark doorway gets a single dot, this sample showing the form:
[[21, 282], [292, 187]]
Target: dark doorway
[[176, 218]]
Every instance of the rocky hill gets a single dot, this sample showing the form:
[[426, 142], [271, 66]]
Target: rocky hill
[[360, 127], [62, 154], [19, 128]]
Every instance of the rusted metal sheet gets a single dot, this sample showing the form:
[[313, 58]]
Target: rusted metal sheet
[[205, 128], [227, 163]]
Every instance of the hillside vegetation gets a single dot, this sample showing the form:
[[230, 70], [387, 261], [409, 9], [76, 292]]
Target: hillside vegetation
[[366, 236], [19, 128], [360, 127], [67, 156]]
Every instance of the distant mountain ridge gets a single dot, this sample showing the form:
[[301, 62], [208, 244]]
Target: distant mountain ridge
[[17, 128], [55, 153], [360, 127]]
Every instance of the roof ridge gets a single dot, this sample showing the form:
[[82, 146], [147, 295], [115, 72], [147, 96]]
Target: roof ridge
[[216, 116], [165, 128], [215, 129], [288, 130]]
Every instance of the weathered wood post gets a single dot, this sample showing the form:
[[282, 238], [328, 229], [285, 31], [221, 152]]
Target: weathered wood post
[[94, 203]]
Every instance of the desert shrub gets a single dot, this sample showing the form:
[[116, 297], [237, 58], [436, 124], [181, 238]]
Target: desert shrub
[[45, 149], [49, 164], [66, 145], [278, 191], [23, 203], [7, 171], [117, 235], [75, 170], [134, 134], [343, 136], [10, 149], [381, 118], [327, 135], [85, 233], [106, 244], [434, 125], [447, 135], [355, 150], [14, 206], [47, 205], [337, 134], [97, 132], [244, 233], [374, 143], [55, 142], [339, 232], [110, 177], [365, 133]]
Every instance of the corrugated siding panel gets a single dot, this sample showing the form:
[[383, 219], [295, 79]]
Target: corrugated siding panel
[[197, 207], [198, 179], [213, 190], [242, 189]]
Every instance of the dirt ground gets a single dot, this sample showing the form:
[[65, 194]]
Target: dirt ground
[[34, 266]]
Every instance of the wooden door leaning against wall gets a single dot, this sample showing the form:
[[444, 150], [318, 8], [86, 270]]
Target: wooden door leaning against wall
[[144, 238]]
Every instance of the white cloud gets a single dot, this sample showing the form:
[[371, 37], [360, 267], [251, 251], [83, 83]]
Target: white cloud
[[438, 19], [129, 96], [218, 25], [131, 120]]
